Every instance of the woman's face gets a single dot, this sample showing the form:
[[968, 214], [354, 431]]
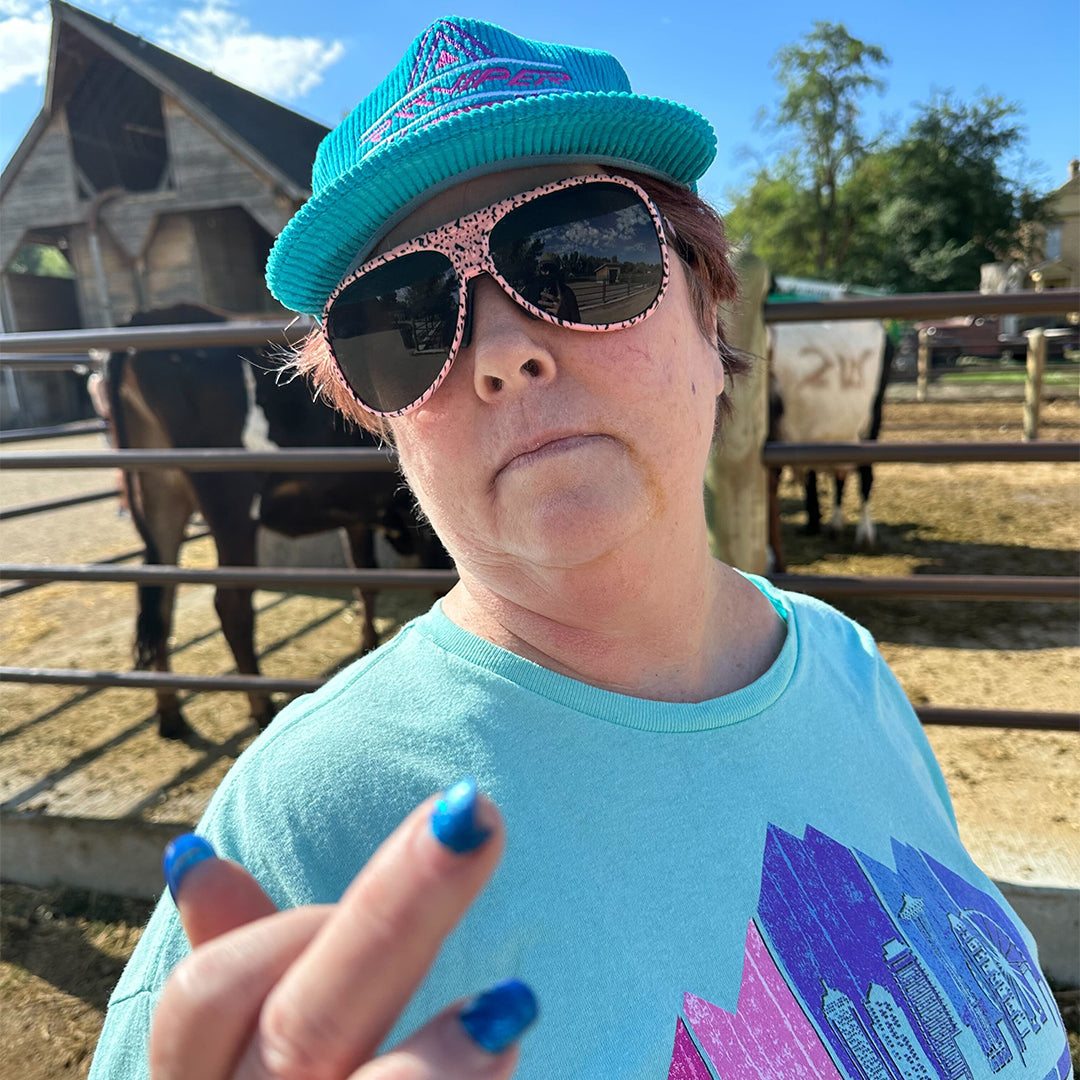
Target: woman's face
[[549, 448]]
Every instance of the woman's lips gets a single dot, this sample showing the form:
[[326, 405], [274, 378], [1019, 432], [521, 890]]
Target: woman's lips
[[549, 449]]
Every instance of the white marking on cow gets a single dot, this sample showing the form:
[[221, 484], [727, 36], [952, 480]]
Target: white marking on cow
[[837, 523], [256, 433], [827, 376], [388, 558], [865, 533]]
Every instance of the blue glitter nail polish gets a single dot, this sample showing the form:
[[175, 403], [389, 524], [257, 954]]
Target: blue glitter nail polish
[[181, 855], [453, 820], [497, 1017]]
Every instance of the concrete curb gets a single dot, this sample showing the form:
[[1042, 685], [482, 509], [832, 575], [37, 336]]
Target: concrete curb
[[109, 855], [1053, 917]]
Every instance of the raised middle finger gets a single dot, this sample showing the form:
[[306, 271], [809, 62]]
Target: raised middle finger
[[339, 1000]]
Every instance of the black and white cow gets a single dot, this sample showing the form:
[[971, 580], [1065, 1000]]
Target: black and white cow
[[228, 397], [827, 383]]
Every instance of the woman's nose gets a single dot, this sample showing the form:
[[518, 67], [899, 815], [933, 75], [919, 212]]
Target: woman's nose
[[507, 344]]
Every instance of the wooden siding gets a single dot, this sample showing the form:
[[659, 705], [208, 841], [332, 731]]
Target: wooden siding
[[43, 192], [232, 252], [123, 299], [207, 172], [172, 274]]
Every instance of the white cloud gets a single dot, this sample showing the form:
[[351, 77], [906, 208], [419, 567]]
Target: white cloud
[[218, 38], [214, 36], [24, 43]]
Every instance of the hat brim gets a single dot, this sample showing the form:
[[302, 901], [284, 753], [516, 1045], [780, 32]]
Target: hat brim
[[324, 237]]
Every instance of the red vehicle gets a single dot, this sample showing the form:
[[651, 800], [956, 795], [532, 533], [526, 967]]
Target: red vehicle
[[965, 335]]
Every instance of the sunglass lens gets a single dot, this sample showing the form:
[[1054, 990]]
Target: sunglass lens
[[589, 254], [392, 329]]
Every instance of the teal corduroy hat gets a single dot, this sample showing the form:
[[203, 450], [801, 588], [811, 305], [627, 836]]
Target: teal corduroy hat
[[470, 98]]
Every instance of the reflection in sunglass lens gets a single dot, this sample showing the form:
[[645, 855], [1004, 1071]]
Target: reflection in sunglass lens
[[392, 329], [587, 254]]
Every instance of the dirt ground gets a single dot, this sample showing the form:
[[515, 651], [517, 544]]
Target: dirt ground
[[94, 752]]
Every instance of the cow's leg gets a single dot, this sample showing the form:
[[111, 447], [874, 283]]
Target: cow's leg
[[836, 525], [161, 511], [865, 533], [776, 540], [813, 507], [362, 552], [226, 503]]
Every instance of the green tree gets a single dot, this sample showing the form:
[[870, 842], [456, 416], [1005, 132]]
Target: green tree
[[824, 78], [40, 260], [946, 203]]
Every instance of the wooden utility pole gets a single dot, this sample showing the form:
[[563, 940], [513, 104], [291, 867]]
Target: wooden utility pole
[[923, 374], [1033, 386], [736, 482]]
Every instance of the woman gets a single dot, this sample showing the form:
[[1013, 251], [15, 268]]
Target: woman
[[729, 849]]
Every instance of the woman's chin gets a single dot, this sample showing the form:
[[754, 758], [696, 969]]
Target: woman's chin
[[568, 528]]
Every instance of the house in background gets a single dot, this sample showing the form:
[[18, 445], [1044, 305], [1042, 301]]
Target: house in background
[[1061, 266], [145, 181]]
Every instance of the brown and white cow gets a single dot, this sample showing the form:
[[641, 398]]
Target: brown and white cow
[[228, 397], [827, 384]]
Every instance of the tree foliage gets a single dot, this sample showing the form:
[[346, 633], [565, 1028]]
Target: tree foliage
[[947, 206], [916, 212]]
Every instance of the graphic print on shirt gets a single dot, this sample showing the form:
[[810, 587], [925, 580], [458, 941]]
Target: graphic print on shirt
[[857, 971]]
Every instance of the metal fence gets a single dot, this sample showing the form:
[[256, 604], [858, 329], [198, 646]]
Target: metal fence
[[22, 349]]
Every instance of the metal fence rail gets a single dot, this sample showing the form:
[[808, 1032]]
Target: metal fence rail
[[209, 459], [168, 680], [58, 431], [314, 459], [17, 587], [924, 306], [904, 306], [929, 586], [255, 577]]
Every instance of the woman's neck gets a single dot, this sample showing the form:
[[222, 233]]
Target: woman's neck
[[662, 625]]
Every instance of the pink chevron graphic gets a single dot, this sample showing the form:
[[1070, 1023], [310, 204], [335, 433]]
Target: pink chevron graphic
[[768, 1035], [686, 1063], [444, 45]]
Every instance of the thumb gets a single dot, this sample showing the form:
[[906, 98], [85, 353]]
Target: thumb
[[212, 895]]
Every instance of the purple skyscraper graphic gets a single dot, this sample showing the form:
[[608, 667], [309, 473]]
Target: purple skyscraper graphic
[[854, 970]]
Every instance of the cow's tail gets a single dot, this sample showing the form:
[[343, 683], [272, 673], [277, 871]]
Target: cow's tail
[[883, 384], [150, 631], [113, 374]]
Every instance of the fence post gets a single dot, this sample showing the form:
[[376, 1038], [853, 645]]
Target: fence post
[[1036, 362], [736, 481], [923, 366]]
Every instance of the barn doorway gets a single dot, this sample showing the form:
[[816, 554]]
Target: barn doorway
[[39, 294]]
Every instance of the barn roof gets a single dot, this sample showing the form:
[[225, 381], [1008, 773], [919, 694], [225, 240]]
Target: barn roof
[[284, 140]]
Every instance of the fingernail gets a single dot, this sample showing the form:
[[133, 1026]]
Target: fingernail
[[453, 821], [180, 856], [497, 1017]]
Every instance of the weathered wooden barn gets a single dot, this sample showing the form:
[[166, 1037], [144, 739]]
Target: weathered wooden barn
[[154, 180]]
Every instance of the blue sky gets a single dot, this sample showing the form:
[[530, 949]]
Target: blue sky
[[321, 57]]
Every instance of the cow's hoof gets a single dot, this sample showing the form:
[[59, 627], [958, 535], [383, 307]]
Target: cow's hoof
[[264, 715], [811, 528], [172, 725]]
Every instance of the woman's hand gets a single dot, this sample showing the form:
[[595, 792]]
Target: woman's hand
[[313, 991]]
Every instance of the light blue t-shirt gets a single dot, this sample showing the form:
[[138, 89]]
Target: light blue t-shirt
[[766, 885]]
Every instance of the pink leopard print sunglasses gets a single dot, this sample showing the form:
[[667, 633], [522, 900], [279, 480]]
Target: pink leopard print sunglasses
[[587, 253]]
